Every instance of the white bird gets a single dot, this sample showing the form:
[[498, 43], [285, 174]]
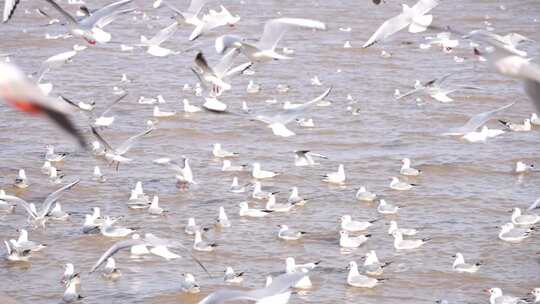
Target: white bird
[[188, 108], [347, 241], [460, 265], [522, 167], [90, 28], [15, 254], [355, 279], [51, 156], [387, 208], [287, 234], [535, 120], [524, 219], [401, 244], [497, 297], [235, 187], [475, 136], [154, 208], [35, 217], [21, 181], [253, 88], [223, 220], [46, 168], [191, 227], [110, 271], [158, 113], [153, 44], [58, 214], [108, 230], [98, 176], [477, 121], [249, 212], [291, 267], [22, 243], [233, 277], [54, 177], [510, 233], [218, 152], [258, 193], [70, 294], [413, 17], [372, 265], [214, 20], [406, 168], [182, 170], [434, 89], [228, 167], [55, 61], [526, 126], [278, 123], [363, 195], [264, 49], [296, 199], [116, 155], [258, 173], [336, 177], [403, 231], [271, 204], [349, 225], [188, 283], [200, 245], [536, 293], [305, 158], [396, 184], [69, 273]]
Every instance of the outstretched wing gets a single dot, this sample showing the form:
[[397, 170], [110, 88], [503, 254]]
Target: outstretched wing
[[104, 12], [9, 9], [126, 145], [275, 29], [114, 249], [53, 197], [477, 121]]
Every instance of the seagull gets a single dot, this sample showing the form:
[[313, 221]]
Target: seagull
[[477, 121], [39, 218], [108, 230], [401, 244], [200, 245], [233, 277], [51, 156], [291, 267], [403, 231], [191, 15], [188, 108], [157, 112], [58, 214], [116, 155], [218, 152], [372, 265], [14, 254], [213, 20], [22, 243], [510, 233], [71, 294], [264, 49], [223, 220], [363, 195], [271, 294], [347, 241], [188, 283], [413, 17], [90, 28], [271, 205], [235, 187], [55, 61], [287, 234], [110, 271], [396, 184], [522, 167], [69, 273], [21, 181], [526, 126], [336, 177], [460, 265], [153, 44], [295, 199], [355, 279], [347, 224], [407, 170], [432, 88], [249, 212], [497, 297], [191, 227], [524, 219], [184, 174], [216, 76], [278, 123], [18, 91], [258, 193], [305, 158], [228, 167], [154, 208], [258, 173]]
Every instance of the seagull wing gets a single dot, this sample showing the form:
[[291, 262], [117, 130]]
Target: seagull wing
[[103, 22], [53, 197], [101, 139], [113, 104], [164, 34], [19, 201], [291, 114], [9, 8], [424, 6], [114, 249], [66, 15], [126, 145], [389, 27], [478, 120], [102, 13], [275, 29]]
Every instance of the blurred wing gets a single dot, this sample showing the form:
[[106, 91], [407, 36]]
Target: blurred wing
[[226, 62], [478, 120], [19, 201], [53, 197], [114, 103], [275, 28], [102, 13], [9, 8], [66, 15], [424, 6], [114, 249], [164, 34], [291, 114], [126, 145], [103, 22], [389, 27], [202, 64]]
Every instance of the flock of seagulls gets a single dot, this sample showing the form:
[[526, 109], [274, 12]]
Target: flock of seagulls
[[239, 55]]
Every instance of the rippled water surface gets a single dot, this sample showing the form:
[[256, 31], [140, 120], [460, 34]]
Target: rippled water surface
[[465, 191]]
